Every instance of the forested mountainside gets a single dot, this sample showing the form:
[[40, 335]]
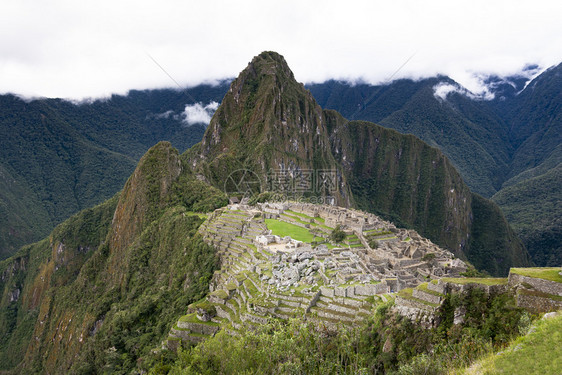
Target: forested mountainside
[[58, 157], [106, 285], [503, 148]]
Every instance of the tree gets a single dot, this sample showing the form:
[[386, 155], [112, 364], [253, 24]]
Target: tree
[[337, 235]]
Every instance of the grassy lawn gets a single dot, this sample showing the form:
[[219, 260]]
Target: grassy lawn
[[538, 352], [423, 288], [281, 228], [299, 214], [201, 215], [545, 273], [476, 280]]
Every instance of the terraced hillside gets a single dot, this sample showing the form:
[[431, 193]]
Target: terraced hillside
[[267, 273], [537, 290]]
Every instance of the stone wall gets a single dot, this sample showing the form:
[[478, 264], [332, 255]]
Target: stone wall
[[537, 304], [439, 287], [490, 289], [545, 286], [416, 311], [432, 298]]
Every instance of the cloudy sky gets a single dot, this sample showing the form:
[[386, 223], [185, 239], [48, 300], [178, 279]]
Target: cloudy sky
[[78, 49]]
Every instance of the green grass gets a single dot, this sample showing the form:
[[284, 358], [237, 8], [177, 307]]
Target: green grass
[[423, 288], [537, 353], [251, 288], [545, 273], [220, 293], [282, 229], [199, 214], [476, 280], [202, 304], [407, 294], [240, 277]]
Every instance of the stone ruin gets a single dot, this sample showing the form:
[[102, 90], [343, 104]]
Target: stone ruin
[[263, 275]]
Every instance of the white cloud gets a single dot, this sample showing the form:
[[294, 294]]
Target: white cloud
[[163, 115], [199, 114], [60, 48], [443, 89]]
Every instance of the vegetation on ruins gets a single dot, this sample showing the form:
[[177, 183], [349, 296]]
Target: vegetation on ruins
[[337, 235], [386, 343]]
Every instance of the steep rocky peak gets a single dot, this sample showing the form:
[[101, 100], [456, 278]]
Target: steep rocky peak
[[264, 98], [267, 121], [269, 64], [143, 197]]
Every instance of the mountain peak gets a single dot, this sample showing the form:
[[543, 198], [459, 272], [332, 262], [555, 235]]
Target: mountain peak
[[268, 122], [269, 63]]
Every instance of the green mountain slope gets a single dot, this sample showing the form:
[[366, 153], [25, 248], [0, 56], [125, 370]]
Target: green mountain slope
[[22, 216], [472, 136], [105, 287], [531, 198], [58, 157], [493, 144], [533, 207], [535, 119]]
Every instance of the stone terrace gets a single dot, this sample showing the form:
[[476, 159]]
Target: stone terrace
[[263, 275]]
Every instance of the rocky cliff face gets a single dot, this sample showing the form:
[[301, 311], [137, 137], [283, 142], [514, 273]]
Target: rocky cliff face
[[404, 178], [268, 123]]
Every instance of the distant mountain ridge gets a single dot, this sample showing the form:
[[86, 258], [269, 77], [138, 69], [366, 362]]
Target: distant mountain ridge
[[502, 147], [58, 157]]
